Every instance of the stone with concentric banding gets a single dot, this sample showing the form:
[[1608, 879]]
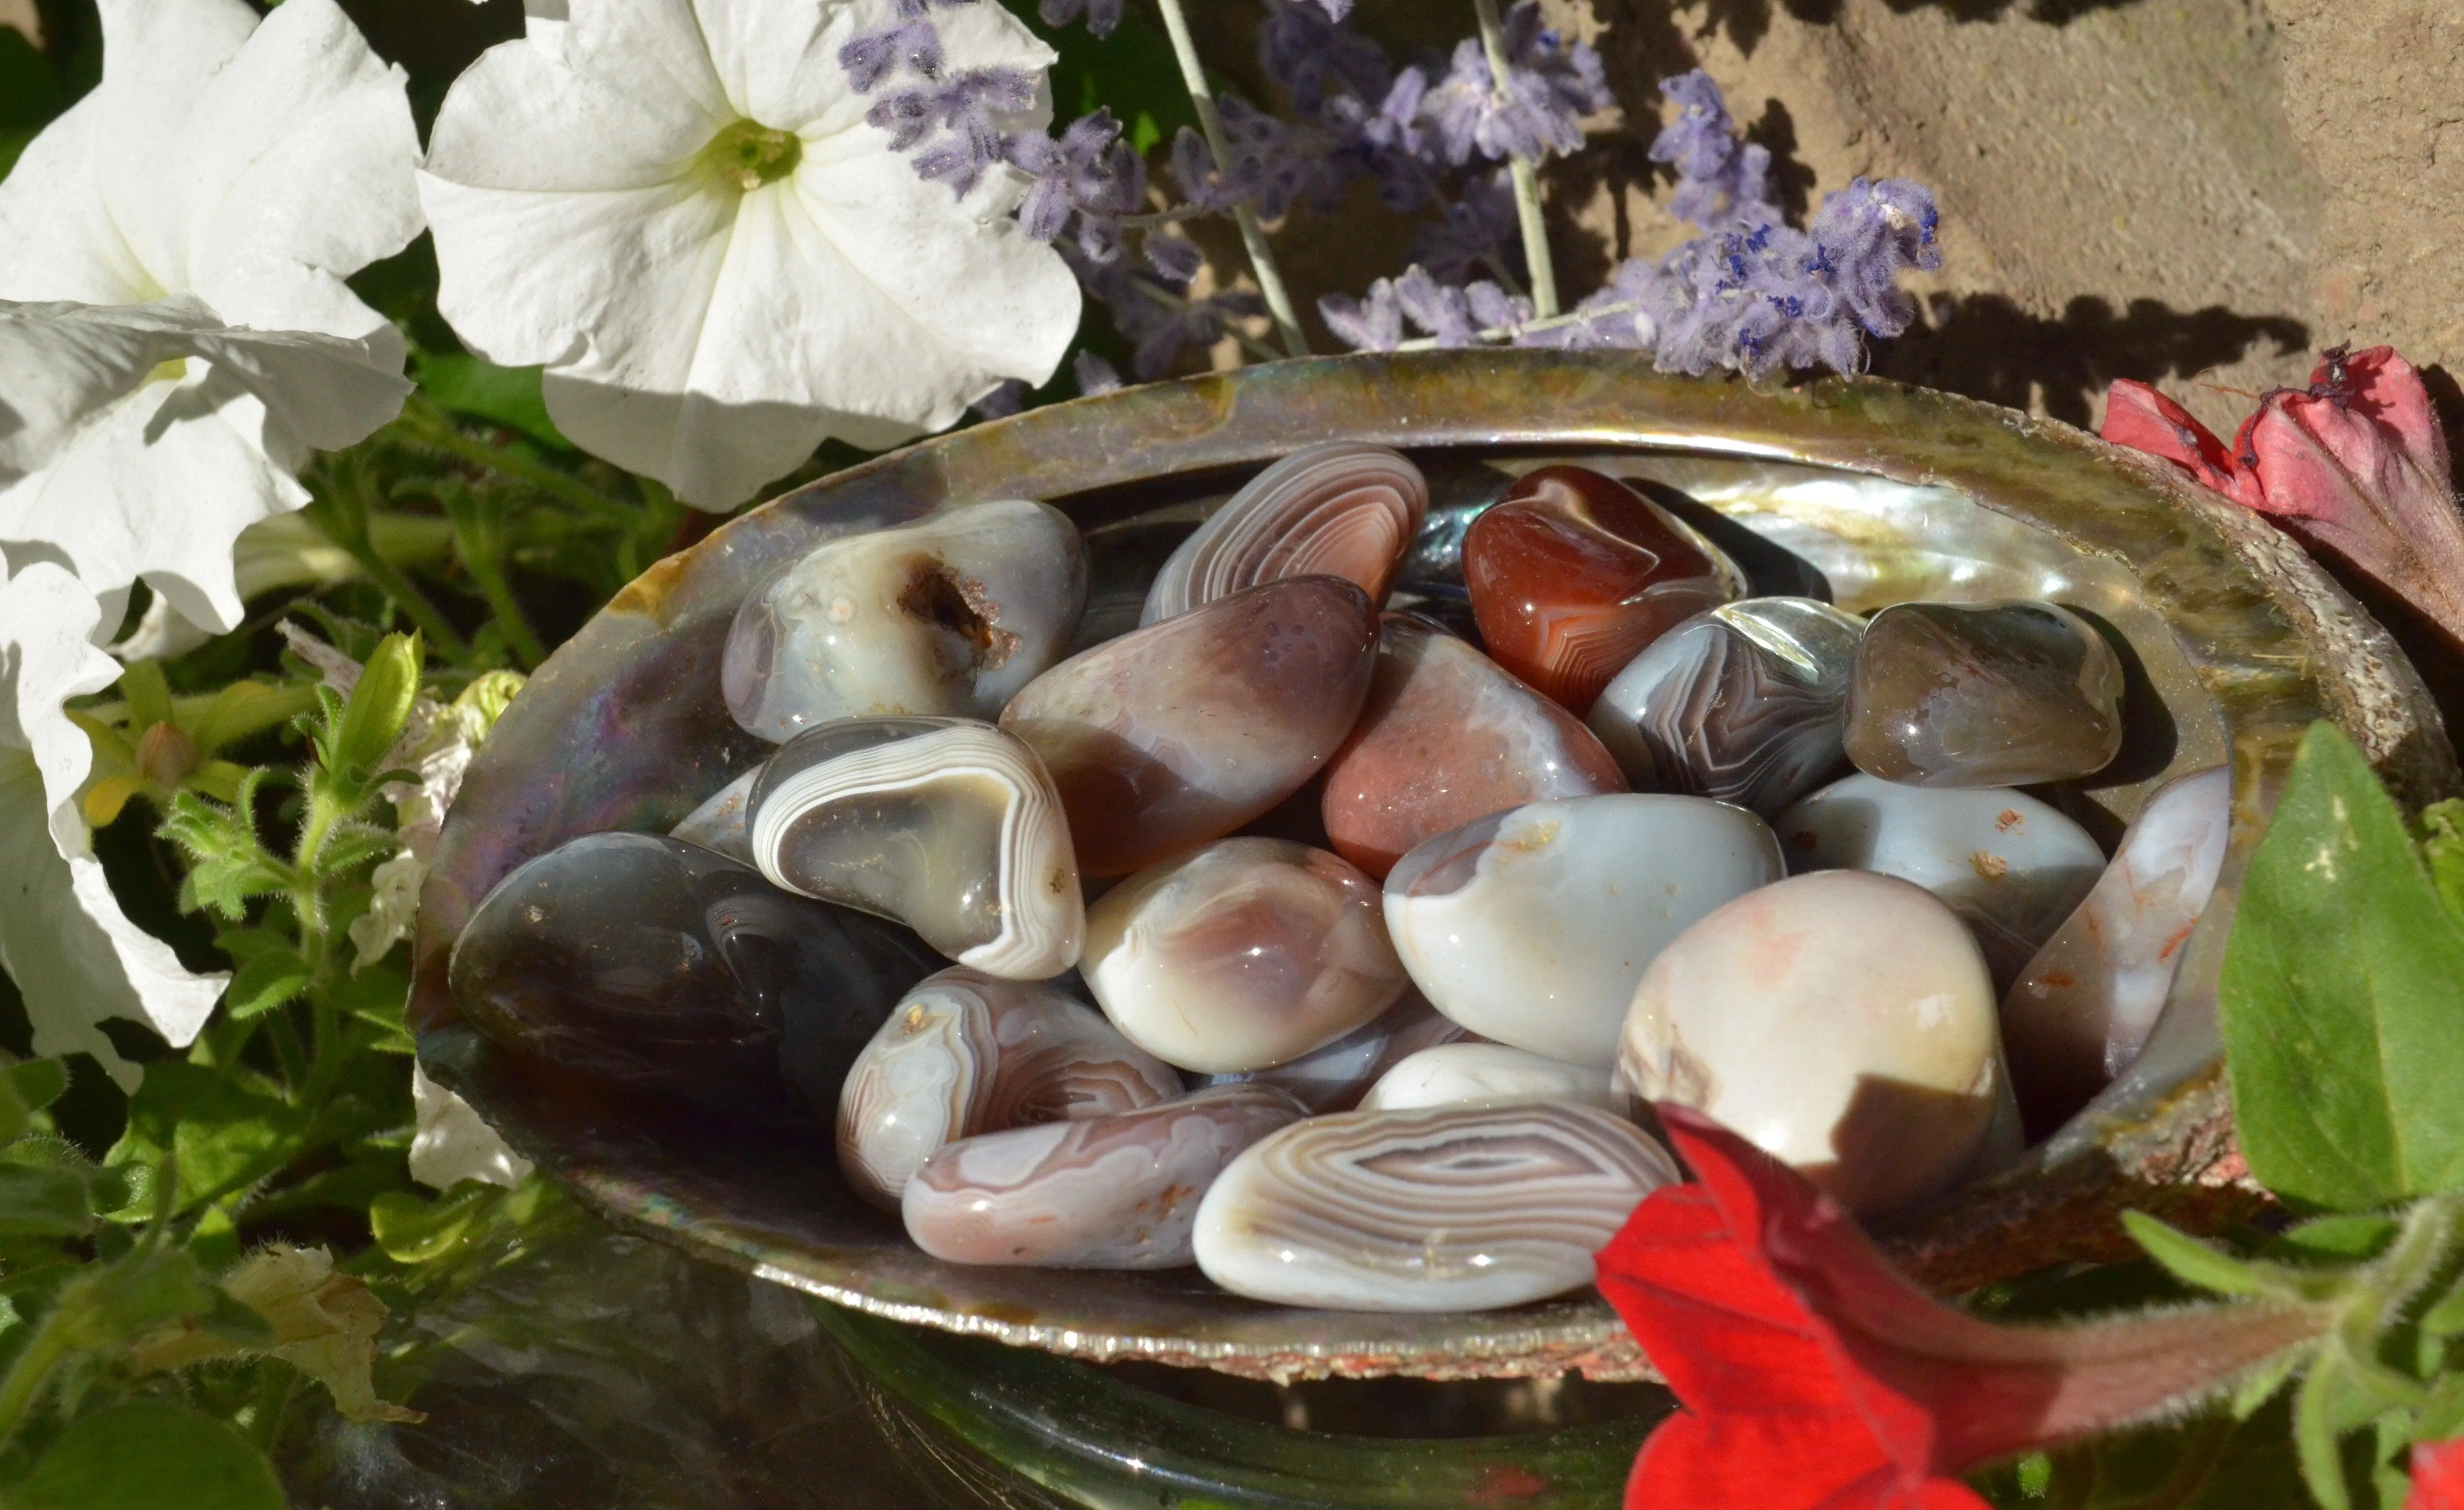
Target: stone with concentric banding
[[1452, 1210], [1342, 510], [1573, 573], [965, 1053], [1108, 1193]]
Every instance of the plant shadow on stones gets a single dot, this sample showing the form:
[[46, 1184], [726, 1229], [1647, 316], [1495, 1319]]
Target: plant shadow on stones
[[1988, 347]]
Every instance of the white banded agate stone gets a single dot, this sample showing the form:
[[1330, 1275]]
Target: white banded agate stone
[[1458, 1208], [946, 616], [1531, 926], [1843, 1021], [965, 1053], [1242, 954], [2082, 1009], [2012, 866], [1489, 1074], [1107, 1192], [950, 827], [1342, 509]]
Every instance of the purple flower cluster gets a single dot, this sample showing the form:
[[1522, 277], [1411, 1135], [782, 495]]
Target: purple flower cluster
[[1753, 293], [1551, 84], [952, 123]]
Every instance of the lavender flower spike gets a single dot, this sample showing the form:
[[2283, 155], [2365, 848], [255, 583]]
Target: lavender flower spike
[[1719, 176], [1551, 84], [1102, 16], [1302, 48]]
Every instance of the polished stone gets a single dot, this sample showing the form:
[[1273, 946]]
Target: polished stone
[[949, 615], [1445, 737], [1983, 694], [1185, 730], [1333, 1079], [1119, 1191], [2081, 1009], [1489, 1074], [1456, 1208], [718, 823], [1245, 953], [1746, 703], [1343, 509], [1574, 573], [1531, 926], [1843, 1021], [965, 1053], [950, 826], [2011, 866], [644, 962]]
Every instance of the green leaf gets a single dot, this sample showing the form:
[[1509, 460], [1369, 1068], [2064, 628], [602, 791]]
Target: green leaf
[[39, 1082], [378, 704], [227, 865], [2344, 998], [45, 1202], [266, 981], [223, 1134], [2190, 1260], [413, 1231], [2335, 1239], [149, 1455], [480, 390], [2442, 850]]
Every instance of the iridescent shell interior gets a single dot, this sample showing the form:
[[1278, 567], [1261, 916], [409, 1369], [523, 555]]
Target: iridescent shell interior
[[1863, 492]]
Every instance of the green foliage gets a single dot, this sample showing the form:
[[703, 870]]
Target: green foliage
[[150, 1454], [2344, 998], [474, 389]]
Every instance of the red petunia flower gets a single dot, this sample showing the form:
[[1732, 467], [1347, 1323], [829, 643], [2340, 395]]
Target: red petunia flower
[[2437, 1477], [1816, 1377], [2355, 466]]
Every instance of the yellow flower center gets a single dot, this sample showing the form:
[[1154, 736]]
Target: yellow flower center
[[749, 154]]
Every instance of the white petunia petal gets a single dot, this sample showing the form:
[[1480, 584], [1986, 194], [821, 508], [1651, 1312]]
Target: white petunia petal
[[75, 956], [452, 1144]]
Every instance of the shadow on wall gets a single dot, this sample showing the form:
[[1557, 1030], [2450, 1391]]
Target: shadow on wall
[[1746, 21], [1986, 347]]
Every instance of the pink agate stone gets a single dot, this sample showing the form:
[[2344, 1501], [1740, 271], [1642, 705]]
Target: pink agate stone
[[1108, 1193], [1446, 737], [1184, 730]]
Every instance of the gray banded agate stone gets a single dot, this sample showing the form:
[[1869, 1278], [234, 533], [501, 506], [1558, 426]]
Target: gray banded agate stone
[[1107, 1192], [1451, 1209], [1986, 695], [1744, 704]]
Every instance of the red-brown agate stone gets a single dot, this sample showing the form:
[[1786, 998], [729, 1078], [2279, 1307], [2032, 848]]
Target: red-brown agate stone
[[1573, 573], [1184, 730], [1447, 737]]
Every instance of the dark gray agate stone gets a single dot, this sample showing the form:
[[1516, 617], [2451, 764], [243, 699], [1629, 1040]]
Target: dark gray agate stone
[[649, 964]]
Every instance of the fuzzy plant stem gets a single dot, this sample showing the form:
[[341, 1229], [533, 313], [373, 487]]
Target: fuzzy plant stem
[[1527, 179], [1253, 238]]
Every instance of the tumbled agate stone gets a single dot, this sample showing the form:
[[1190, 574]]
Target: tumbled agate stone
[[1843, 1021], [1245, 953], [1333, 1079], [1531, 926], [1991, 695], [952, 828], [1573, 573], [1185, 730], [718, 823], [1746, 703], [965, 1053], [2011, 866], [1342, 510], [2082, 1009], [1446, 736], [949, 615], [1451, 1209], [1117, 1191], [1489, 1074], [650, 964]]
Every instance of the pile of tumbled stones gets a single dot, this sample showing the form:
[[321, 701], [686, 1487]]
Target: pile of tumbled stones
[[1394, 922]]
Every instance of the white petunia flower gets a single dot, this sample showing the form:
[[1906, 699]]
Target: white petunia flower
[[76, 959], [179, 336], [453, 1144], [679, 209]]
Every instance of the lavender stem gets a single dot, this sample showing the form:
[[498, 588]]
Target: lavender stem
[[1625, 306], [1253, 238], [1526, 180]]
